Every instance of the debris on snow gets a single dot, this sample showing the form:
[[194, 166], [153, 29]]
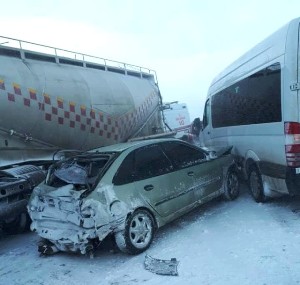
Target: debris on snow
[[160, 266]]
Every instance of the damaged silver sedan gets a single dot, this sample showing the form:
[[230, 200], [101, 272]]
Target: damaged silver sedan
[[128, 191]]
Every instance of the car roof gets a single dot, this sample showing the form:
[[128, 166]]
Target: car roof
[[123, 146]]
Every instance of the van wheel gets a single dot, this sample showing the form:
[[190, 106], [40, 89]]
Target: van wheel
[[138, 233], [232, 186], [256, 185]]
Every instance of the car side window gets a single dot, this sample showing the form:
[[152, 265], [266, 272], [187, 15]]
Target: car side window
[[151, 161], [183, 155], [125, 173]]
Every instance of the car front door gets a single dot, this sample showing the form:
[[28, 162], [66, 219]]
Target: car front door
[[208, 178]]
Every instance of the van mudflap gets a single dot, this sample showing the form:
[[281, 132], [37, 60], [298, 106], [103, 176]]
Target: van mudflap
[[293, 180]]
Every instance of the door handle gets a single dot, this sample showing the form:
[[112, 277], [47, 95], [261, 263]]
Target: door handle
[[148, 187], [191, 173]]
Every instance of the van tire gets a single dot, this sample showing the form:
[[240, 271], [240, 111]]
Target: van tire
[[256, 185], [232, 185]]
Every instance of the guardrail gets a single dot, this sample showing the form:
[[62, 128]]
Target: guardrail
[[30, 50]]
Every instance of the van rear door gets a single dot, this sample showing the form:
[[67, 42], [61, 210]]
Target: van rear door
[[291, 97]]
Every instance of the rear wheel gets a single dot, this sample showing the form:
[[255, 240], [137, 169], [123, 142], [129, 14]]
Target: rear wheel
[[138, 233], [232, 186], [256, 185]]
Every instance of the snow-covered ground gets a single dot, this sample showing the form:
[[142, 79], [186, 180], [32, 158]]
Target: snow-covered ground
[[238, 242]]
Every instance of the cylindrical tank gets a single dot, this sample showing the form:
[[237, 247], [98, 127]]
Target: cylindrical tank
[[50, 101]]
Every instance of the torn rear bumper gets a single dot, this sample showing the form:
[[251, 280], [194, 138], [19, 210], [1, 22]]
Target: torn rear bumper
[[71, 223], [70, 237]]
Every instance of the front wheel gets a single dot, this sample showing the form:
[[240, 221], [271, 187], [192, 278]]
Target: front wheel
[[256, 185], [138, 233], [232, 185]]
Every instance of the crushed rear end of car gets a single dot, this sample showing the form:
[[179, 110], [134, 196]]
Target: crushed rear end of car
[[72, 210]]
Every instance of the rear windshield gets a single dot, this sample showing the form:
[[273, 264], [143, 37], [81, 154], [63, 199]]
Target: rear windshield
[[81, 171]]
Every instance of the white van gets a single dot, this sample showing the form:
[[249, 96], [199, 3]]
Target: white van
[[254, 105]]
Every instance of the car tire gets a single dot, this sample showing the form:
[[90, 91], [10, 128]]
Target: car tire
[[138, 233], [232, 185], [18, 225], [256, 185]]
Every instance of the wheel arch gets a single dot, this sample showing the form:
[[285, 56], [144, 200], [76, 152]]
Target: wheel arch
[[156, 223]]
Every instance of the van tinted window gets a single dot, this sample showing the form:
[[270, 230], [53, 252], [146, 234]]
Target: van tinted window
[[253, 100]]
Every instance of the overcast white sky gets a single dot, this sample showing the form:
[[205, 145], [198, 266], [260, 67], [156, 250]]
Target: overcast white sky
[[187, 42]]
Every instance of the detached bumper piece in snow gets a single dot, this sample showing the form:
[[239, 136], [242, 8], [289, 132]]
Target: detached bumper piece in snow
[[160, 266]]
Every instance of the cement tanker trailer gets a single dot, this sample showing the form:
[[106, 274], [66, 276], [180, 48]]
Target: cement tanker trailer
[[63, 100]]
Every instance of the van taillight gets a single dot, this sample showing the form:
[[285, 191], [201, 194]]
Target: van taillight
[[292, 147], [291, 128]]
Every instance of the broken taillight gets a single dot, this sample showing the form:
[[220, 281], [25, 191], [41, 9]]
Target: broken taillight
[[292, 146]]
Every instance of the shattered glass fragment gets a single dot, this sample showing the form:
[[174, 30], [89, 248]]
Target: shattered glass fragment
[[74, 174]]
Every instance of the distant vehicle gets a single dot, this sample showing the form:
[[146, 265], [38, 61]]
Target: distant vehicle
[[127, 190], [64, 100], [177, 118], [254, 106]]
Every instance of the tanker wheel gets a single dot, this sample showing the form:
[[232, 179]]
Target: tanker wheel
[[17, 225]]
